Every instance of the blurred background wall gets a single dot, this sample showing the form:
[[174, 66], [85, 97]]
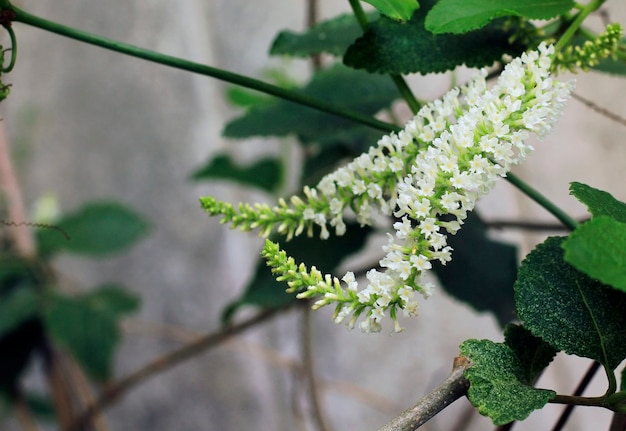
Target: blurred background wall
[[88, 124]]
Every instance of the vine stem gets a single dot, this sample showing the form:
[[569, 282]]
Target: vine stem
[[546, 203], [575, 25], [162, 363], [201, 69], [398, 80]]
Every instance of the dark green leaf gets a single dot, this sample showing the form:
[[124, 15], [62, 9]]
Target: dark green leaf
[[533, 353], [496, 381], [598, 202], [461, 16], [16, 307], [598, 248], [21, 342], [332, 37], [87, 326], [568, 309], [264, 291], [392, 47], [400, 10], [356, 90], [482, 271], [96, 229], [245, 98], [266, 174]]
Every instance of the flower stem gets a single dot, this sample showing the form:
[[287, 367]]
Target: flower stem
[[575, 25], [401, 84], [542, 200], [202, 69]]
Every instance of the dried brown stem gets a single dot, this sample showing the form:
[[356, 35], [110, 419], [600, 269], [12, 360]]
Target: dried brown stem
[[16, 212], [453, 388], [113, 392], [309, 370]]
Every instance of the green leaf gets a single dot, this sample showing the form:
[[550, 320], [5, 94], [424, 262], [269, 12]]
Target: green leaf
[[266, 174], [264, 291], [598, 202], [96, 229], [356, 90], [16, 307], [461, 16], [533, 353], [22, 342], [87, 326], [400, 10], [497, 387], [390, 47], [598, 248], [470, 276], [245, 98], [568, 309], [332, 37]]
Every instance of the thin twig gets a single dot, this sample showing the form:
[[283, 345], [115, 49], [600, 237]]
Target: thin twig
[[164, 362], [618, 422], [600, 110], [16, 212], [453, 388], [593, 369], [528, 225], [309, 370], [23, 413]]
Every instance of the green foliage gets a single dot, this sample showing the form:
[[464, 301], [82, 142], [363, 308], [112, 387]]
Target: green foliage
[[266, 174], [391, 47], [96, 229], [333, 37], [16, 307], [264, 291], [244, 98], [400, 10], [470, 276], [461, 16], [598, 202], [598, 248], [568, 309], [497, 385], [533, 353], [87, 326], [344, 87]]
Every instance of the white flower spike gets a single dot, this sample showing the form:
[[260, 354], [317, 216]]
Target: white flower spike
[[446, 157]]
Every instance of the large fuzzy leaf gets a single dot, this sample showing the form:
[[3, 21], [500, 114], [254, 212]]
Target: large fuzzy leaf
[[397, 48], [352, 89], [598, 248], [332, 37], [568, 309], [599, 202], [497, 387], [461, 16], [400, 10]]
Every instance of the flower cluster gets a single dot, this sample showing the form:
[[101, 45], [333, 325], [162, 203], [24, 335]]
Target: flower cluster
[[428, 176], [591, 52]]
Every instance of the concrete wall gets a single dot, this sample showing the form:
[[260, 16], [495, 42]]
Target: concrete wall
[[90, 124]]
